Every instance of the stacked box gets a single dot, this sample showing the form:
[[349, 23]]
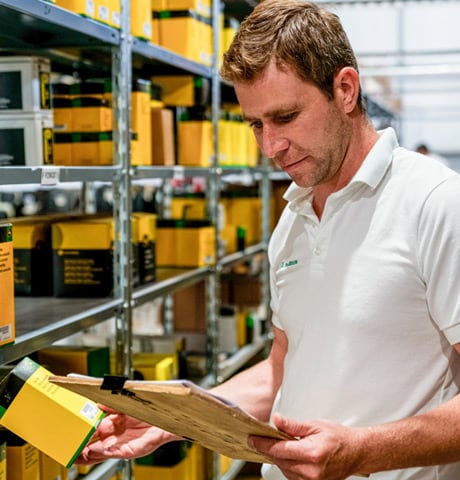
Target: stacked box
[[26, 118], [7, 318], [141, 123], [86, 8]]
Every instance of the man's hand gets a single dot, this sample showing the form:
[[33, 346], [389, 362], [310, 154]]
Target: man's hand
[[322, 449], [121, 436]]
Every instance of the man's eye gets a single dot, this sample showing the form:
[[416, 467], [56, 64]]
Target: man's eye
[[256, 125], [286, 118]]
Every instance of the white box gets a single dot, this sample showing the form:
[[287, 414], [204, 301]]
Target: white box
[[26, 139], [24, 84]]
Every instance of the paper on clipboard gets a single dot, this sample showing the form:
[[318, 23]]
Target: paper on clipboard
[[180, 407]]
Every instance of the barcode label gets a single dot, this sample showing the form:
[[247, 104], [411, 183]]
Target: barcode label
[[89, 411], [5, 333]]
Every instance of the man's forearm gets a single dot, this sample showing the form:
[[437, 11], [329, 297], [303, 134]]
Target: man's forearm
[[432, 438]]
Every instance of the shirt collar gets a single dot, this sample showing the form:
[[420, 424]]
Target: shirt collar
[[370, 172]]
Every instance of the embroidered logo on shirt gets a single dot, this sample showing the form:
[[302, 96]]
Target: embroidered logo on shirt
[[289, 263]]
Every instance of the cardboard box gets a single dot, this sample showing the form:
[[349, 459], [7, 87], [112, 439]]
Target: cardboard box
[[190, 313], [91, 115], [186, 33], [22, 458], [141, 20], [44, 414], [49, 468], [94, 148], [7, 318], [163, 146], [86, 8], [24, 84], [195, 143], [26, 139], [141, 122], [183, 91], [85, 360], [83, 257], [185, 243], [33, 272]]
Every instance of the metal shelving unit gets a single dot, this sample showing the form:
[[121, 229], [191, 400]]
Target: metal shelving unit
[[74, 43]]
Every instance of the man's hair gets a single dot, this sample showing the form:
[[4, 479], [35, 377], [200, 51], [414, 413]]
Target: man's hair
[[296, 33]]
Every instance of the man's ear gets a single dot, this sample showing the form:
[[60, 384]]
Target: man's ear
[[346, 88]]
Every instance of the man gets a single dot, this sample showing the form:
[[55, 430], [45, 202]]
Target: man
[[364, 369]]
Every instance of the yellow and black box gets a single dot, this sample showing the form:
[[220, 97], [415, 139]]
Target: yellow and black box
[[185, 243], [33, 260], [144, 227], [7, 320], [85, 360], [183, 91], [24, 84], [92, 148], [83, 257], [43, 414]]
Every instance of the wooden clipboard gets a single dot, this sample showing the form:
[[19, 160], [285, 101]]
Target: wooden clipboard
[[180, 407]]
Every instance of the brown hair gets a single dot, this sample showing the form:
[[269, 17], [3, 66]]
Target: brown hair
[[296, 33]]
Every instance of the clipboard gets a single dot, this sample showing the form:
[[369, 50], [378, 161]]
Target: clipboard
[[180, 407]]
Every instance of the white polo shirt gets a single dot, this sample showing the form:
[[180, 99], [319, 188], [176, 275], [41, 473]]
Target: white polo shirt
[[369, 296]]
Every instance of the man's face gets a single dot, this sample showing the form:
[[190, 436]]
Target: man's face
[[296, 125]]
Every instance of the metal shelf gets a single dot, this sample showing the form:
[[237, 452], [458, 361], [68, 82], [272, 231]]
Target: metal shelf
[[171, 62], [38, 174], [37, 24], [106, 470], [242, 256], [177, 171], [41, 321]]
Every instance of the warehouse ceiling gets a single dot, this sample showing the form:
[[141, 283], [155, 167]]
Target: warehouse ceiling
[[409, 56]]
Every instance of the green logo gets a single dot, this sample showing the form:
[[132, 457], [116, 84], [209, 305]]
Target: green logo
[[289, 263]]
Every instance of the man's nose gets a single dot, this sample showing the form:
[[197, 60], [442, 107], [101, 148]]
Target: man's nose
[[273, 142]]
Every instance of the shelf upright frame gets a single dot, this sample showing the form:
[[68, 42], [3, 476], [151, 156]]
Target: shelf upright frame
[[123, 256]]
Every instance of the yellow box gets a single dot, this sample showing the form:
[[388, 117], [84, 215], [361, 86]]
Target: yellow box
[[195, 143], [85, 360], [62, 114], [44, 414], [175, 472], [186, 33], [154, 366], [93, 148], [87, 8], [103, 10], [189, 208], [157, 5], [245, 212], [7, 318], [83, 257], [185, 243], [70, 473], [91, 115], [176, 90], [141, 122], [22, 459], [62, 148], [143, 238], [33, 273], [141, 19], [203, 7], [49, 468]]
